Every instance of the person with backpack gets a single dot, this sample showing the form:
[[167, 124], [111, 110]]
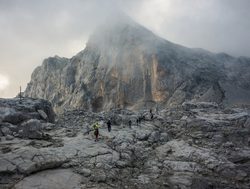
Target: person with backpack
[[137, 121], [96, 127], [109, 125], [130, 123], [152, 116]]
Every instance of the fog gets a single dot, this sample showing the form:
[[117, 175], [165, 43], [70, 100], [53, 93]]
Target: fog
[[33, 30]]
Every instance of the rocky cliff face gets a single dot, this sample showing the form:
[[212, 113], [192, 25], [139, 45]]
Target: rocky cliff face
[[125, 65]]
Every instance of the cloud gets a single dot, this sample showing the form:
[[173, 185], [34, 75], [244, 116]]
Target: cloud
[[219, 26], [4, 82], [33, 30]]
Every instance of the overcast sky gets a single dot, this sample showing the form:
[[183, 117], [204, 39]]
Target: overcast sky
[[31, 30]]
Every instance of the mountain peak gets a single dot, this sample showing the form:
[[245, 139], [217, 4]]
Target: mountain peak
[[120, 31]]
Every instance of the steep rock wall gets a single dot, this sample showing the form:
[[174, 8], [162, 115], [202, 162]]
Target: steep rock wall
[[125, 65]]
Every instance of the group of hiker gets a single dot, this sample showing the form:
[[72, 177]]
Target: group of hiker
[[96, 125]]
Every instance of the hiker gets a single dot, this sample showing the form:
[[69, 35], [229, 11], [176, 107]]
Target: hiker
[[130, 123], [96, 127], [152, 116], [137, 121], [109, 125]]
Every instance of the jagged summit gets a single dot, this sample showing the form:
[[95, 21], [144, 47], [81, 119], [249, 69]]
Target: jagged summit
[[126, 65], [119, 31]]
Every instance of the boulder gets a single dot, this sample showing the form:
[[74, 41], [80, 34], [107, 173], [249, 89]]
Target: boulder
[[13, 128], [9, 137], [142, 134], [12, 111], [10, 115], [155, 136], [85, 172], [6, 131], [32, 124], [43, 114], [32, 129]]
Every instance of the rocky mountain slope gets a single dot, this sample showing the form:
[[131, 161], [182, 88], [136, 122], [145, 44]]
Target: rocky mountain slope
[[125, 65], [196, 145]]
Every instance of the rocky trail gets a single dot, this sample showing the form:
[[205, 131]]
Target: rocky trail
[[196, 145]]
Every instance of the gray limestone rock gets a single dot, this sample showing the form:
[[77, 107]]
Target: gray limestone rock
[[6, 131], [9, 137], [85, 172], [32, 129], [199, 146], [42, 114], [15, 112]]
